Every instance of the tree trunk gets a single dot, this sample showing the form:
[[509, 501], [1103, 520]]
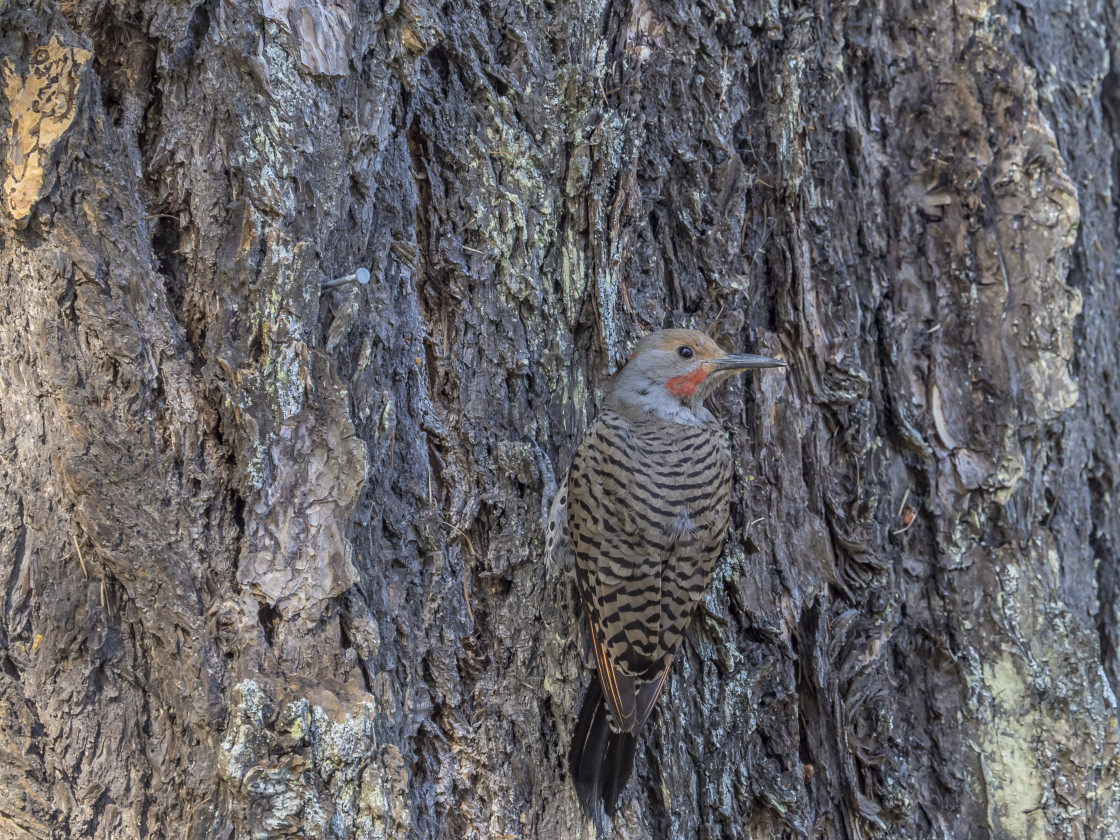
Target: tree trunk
[[271, 551]]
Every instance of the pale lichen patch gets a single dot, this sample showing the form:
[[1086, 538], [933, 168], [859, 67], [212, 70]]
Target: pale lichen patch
[[42, 105], [1011, 775]]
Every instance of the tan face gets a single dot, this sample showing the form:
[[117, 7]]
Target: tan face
[[674, 370], [688, 358]]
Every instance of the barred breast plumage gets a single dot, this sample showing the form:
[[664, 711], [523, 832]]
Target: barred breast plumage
[[647, 515]]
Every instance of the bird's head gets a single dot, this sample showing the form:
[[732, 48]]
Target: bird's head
[[671, 372]]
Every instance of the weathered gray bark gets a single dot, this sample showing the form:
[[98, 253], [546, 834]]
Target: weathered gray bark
[[271, 555]]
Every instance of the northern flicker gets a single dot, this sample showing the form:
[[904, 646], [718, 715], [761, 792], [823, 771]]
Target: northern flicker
[[644, 509]]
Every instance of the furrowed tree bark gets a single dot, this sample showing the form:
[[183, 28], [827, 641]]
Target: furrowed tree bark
[[271, 553]]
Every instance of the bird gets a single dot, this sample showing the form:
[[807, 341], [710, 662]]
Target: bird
[[644, 509]]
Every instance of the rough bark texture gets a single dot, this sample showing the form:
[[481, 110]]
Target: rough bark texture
[[271, 554]]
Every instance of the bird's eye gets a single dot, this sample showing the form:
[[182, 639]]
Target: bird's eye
[[684, 352]]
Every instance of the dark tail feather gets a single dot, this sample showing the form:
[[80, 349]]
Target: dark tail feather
[[618, 763], [589, 743], [600, 760]]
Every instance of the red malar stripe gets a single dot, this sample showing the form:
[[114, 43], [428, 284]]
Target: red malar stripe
[[685, 386]]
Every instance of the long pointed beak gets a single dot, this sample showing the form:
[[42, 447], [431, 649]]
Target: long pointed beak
[[747, 361]]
